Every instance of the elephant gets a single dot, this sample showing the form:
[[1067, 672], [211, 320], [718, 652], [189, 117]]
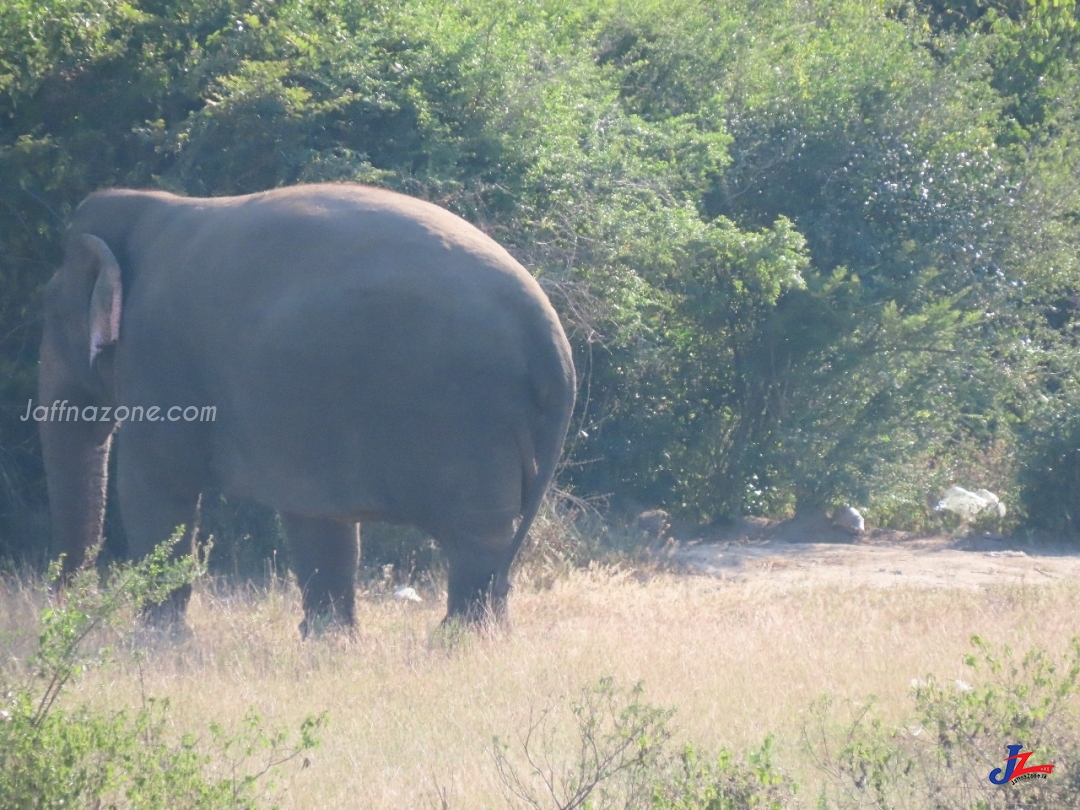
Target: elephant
[[352, 354]]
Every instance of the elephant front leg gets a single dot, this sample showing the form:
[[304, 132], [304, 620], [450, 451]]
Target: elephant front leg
[[152, 508], [325, 555]]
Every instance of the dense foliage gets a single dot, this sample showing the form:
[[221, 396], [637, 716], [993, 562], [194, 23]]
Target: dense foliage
[[809, 251]]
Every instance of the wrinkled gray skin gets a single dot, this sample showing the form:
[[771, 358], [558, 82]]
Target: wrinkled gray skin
[[371, 357]]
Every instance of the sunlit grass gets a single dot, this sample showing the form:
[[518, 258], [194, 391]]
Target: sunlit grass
[[409, 714]]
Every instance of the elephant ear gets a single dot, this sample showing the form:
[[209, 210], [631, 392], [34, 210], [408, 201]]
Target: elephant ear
[[107, 297]]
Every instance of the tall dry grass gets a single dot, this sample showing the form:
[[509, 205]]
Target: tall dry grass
[[410, 716]]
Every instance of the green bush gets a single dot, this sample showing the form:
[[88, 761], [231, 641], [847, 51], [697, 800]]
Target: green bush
[[1050, 477], [943, 754], [624, 757], [56, 753]]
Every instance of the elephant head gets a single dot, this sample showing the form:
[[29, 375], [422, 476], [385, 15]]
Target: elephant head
[[83, 304]]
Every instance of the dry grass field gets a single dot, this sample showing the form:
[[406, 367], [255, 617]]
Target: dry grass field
[[411, 719]]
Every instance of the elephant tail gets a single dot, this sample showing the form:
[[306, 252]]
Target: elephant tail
[[541, 446]]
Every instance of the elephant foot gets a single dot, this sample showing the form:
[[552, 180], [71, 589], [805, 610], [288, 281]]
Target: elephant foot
[[477, 616], [325, 556], [321, 622], [477, 598], [160, 637], [485, 620], [326, 610], [167, 615]]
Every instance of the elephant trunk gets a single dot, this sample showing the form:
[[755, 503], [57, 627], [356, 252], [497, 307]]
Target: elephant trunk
[[76, 467]]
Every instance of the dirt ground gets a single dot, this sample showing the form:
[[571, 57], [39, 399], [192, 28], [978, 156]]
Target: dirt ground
[[812, 550]]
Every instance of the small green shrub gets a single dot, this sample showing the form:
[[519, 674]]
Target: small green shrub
[[724, 783], [57, 754], [624, 757], [942, 756]]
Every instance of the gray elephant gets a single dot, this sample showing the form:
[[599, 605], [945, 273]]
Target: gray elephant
[[344, 353]]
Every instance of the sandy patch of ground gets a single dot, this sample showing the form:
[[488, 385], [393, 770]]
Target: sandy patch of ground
[[813, 551]]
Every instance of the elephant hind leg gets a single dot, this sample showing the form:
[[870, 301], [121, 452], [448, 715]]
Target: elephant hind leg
[[325, 555], [478, 585]]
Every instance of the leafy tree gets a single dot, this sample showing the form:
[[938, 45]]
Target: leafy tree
[[807, 253]]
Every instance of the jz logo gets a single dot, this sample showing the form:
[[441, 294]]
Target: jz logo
[[1016, 767]]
